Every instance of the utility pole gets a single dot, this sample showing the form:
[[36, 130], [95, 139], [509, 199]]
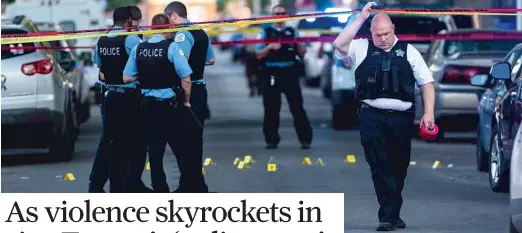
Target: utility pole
[[519, 16]]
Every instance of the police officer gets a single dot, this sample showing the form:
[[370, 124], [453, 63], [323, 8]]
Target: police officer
[[135, 15], [196, 47], [121, 102], [386, 70], [100, 168], [159, 65], [280, 71]]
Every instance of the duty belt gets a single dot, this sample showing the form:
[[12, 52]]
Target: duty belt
[[123, 90], [388, 112]]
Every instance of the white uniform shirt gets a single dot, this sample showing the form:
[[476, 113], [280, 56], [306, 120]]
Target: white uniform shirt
[[357, 54]]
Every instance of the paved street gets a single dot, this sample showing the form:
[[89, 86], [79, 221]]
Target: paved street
[[455, 199]]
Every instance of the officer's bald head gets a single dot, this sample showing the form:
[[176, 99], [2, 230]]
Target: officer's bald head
[[383, 31]]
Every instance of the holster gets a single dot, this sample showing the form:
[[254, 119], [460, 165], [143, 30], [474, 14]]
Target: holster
[[179, 100]]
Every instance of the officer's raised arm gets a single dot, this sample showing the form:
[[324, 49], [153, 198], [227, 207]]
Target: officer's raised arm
[[130, 73], [182, 67], [343, 40]]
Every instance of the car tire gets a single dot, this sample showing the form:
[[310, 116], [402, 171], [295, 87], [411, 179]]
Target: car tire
[[343, 119], [63, 141], [498, 177], [482, 155]]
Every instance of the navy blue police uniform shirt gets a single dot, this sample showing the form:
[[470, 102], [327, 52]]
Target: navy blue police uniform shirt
[[130, 42], [175, 55], [259, 47], [185, 41]]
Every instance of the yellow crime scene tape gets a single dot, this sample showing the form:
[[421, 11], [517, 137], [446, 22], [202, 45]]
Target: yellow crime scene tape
[[32, 39]]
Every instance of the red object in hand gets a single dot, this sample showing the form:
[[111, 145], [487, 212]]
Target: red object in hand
[[428, 134]]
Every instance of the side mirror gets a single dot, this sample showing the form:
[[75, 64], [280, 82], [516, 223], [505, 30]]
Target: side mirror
[[479, 80], [501, 70]]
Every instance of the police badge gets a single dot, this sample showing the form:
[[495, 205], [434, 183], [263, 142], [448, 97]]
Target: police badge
[[400, 53], [180, 37]]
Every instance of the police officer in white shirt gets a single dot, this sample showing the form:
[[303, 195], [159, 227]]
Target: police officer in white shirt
[[386, 71]]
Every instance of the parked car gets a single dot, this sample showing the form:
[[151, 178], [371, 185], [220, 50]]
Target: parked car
[[81, 85], [489, 102], [515, 194], [313, 60], [453, 63], [344, 106], [37, 96], [506, 122]]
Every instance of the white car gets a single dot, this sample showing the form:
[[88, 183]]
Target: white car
[[37, 96], [77, 78]]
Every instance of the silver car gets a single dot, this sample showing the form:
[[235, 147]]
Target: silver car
[[77, 76], [516, 185], [37, 97], [452, 64]]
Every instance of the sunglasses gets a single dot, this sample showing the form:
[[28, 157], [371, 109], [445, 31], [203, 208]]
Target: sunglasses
[[280, 13]]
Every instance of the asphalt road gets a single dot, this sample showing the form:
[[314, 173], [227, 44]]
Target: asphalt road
[[448, 199]]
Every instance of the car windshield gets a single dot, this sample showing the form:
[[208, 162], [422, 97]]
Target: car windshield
[[410, 25], [320, 23], [15, 50], [459, 46]]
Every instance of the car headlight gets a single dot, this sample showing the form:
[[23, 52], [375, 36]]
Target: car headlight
[[328, 47]]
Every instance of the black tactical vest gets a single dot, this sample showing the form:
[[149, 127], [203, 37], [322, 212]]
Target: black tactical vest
[[154, 68], [198, 54], [385, 74], [287, 52], [113, 56]]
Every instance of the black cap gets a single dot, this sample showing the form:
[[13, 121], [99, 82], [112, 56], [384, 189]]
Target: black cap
[[121, 13]]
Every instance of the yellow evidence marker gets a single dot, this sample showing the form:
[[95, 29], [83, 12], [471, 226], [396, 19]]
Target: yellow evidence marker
[[271, 167], [69, 177], [208, 162], [350, 159], [307, 161]]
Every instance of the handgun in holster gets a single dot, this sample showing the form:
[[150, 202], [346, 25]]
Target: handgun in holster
[[180, 96]]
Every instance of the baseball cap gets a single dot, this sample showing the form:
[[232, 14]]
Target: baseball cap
[[121, 13]]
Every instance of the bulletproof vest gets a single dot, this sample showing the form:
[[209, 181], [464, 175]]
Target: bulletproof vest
[[113, 56], [287, 52], [154, 68], [198, 54], [385, 74]]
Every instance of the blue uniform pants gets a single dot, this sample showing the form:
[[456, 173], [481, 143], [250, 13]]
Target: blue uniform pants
[[163, 124], [386, 139], [123, 124]]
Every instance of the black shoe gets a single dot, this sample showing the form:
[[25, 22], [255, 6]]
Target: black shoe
[[271, 146], [400, 224], [91, 190], [305, 146], [386, 226]]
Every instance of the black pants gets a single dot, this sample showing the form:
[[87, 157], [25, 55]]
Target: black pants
[[386, 139], [251, 72], [100, 166], [286, 82], [192, 181], [123, 127], [164, 124]]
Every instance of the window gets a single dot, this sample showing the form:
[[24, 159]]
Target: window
[[68, 26], [470, 46], [14, 50], [516, 68]]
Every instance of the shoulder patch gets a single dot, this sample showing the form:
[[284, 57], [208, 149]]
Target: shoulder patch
[[180, 37], [181, 52]]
